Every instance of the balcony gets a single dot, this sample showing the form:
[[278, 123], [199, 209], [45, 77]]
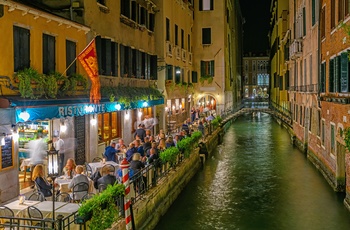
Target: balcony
[[183, 55], [304, 88], [190, 58], [169, 49], [296, 49], [178, 52]]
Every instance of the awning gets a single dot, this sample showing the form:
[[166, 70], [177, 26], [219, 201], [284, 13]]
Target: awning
[[43, 110]]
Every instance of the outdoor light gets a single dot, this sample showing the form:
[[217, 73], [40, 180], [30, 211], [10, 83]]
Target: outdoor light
[[127, 115], [2, 143], [145, 104], [52, 165], [24, 115], [140, 113], [118, 107], [212, 101], [166, 109], [63, 127], [93, 120]]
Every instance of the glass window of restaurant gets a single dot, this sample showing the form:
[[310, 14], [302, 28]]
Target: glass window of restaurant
[[109, 126]]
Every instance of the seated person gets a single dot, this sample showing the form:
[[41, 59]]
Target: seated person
[[78, 178], [107, 176], [69, 169], [38, 178]]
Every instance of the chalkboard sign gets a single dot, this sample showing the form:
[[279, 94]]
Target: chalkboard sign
[[6, 153]]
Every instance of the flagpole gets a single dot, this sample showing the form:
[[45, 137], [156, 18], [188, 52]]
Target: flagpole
[[77, 56]]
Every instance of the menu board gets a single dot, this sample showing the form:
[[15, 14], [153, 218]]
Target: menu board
[[6, 153]]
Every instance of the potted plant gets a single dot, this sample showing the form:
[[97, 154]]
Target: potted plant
[[169, 155], [25, 79], [207, 78]]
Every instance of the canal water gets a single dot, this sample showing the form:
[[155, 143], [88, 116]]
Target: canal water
[[257, 180]]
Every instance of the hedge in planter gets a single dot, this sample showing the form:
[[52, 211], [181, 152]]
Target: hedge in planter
[[101, 208]]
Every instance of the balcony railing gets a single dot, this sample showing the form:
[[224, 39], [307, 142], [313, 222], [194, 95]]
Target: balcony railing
[[305, 88], [296, 49], [178, 52], [183, 52]]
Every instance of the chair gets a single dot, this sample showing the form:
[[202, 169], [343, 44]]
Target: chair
[[97, 159], [101, 187], [108, 165], [7, 212], [88, 170], [87, 196], [79, 190], [35, 213], [63, 197], [37, 196]]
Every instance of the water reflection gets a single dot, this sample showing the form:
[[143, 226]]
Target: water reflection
[[257, 180]]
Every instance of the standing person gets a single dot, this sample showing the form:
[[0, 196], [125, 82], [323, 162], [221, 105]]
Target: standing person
[[58, 144], [110, 152], [193, 114], [140, 131], [37, 150]]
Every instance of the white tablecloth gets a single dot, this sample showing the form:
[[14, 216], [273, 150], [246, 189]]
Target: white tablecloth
[[98, 165], [19, 208], [63, 185]]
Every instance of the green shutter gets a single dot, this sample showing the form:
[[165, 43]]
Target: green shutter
[[331, 76], [322, 80], [203, 73], [212, 71], [337, 74], [344, 72]]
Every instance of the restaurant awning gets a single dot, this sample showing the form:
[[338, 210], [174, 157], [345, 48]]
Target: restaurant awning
[[38, 110]]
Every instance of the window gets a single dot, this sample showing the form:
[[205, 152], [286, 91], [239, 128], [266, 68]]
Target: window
[[331, 76], [125, 8], [151, 22], [310, 119], [205, 5], [332, 138], [176, 35], [323, 78], [323, 22], [194, 77], [206, 36], [109, 126], [313, 12], [343, 9], [207, 68], [167, 29], [333, 14], [182, 39], [49, 54], [169, 72], [323, 132], [70, 57], [344, 72], [107, 56], [189, 43], [21, 48], [177, 75], [318, 122], [134, 10], [143, 16], [304, 21]]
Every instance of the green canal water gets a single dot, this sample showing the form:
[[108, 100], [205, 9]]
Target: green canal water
[[257, 180]]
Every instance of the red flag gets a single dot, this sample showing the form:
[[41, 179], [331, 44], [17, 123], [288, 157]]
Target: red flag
[[88, 59]]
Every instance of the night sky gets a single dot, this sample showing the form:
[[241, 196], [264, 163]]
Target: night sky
[[257, 22]]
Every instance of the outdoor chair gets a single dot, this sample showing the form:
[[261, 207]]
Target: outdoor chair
[[37, 196], [35, 213], [63, 197], [108, 165], [79, 190], [101, 187], [87, 196], [88, 170], [4, 223], [97, 159]]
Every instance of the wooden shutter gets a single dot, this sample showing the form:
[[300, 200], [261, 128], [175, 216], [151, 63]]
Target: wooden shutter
[[153, 66], [200, 5], [114, 67], [122, 60], [106, 53], [211, 68], [323, 74], [99, 54], [48, 54], [211, 4], [70, 57]]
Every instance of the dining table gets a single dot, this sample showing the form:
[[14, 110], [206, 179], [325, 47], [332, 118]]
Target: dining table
[[20, 209], [63, 183], [95, 166]]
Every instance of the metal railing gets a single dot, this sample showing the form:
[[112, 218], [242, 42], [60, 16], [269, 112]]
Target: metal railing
[[60, 223], [313, 88]]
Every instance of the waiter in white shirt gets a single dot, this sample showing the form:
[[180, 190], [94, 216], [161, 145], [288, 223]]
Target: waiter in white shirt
[[58, 144]]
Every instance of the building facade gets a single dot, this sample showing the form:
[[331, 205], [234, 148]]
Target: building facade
[[256, 76]]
